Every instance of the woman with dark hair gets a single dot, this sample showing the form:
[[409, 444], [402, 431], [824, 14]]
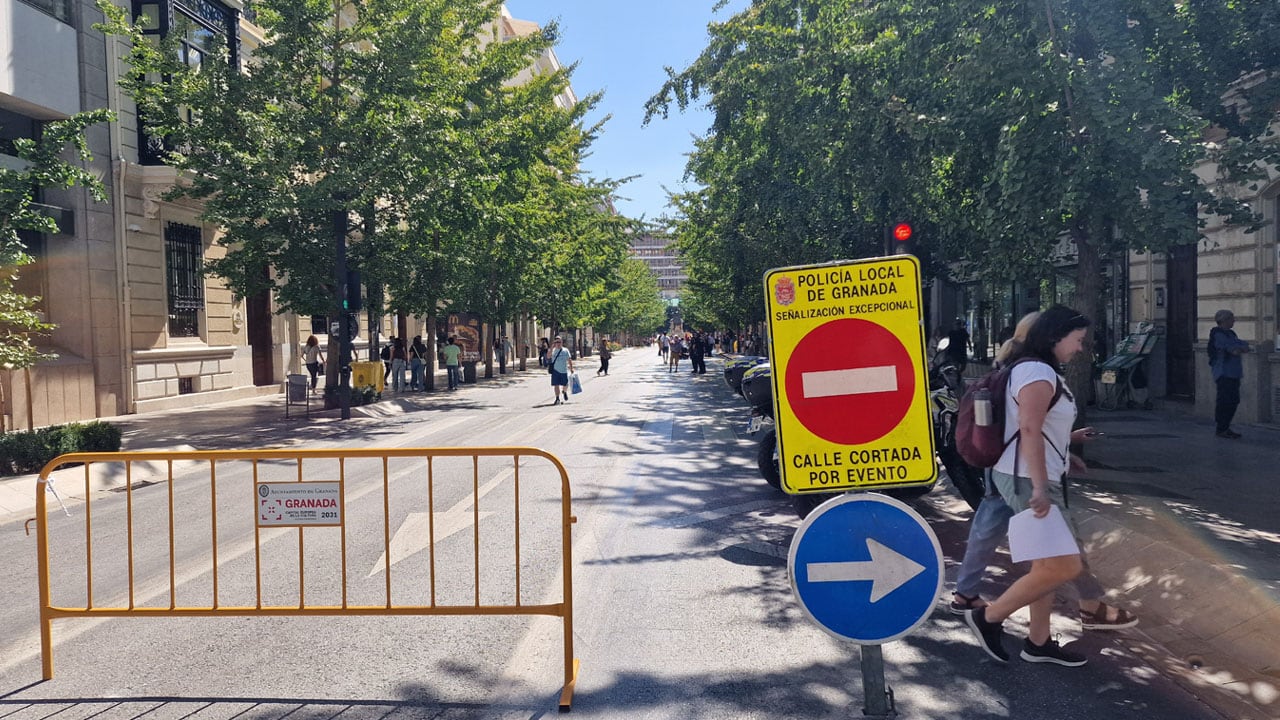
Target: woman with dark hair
[[1039, 412]]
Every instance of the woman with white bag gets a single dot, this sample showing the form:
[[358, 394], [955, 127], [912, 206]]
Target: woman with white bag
[[1039, 414]]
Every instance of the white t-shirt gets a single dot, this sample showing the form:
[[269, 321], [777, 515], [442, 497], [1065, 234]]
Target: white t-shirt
[[1057, 424]]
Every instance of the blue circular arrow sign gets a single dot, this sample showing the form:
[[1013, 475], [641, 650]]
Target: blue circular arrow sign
[[866, 567]]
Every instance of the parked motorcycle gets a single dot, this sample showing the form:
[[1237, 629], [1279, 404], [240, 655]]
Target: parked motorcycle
[[734, 369], [757, 388], [946, 385]]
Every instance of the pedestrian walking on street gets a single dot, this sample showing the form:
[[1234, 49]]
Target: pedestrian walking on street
[[417, 363], [990, 526], [503, 349], [385, 354], [451, 354], [399, 364], [664, 346], [697, 354], [1225, 349], [543, 347], [1029, 476], [676, 350], [958, 345], [561, 364], [314, 359], [605, 355]]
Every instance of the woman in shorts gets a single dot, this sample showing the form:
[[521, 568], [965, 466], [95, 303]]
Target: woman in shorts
[[561, 365]]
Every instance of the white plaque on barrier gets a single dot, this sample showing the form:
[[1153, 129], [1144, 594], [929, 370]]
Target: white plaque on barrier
[[299, 504]]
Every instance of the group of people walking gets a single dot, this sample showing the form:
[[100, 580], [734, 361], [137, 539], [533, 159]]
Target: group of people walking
[[695, 346]]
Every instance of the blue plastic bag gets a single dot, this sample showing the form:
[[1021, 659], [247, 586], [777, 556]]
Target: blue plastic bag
[[575, 385]]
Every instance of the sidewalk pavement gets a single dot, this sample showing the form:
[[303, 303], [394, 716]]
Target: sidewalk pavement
[[257, 422], [1183, 527]]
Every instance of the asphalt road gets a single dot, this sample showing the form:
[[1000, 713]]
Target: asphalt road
[[683, 608]]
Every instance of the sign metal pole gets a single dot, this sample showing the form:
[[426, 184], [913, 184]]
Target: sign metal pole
[[874, 689]]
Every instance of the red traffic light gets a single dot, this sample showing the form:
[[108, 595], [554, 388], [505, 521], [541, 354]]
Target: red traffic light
[[902, 232]]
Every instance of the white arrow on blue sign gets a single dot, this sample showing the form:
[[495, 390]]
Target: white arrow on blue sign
[[866, 567]]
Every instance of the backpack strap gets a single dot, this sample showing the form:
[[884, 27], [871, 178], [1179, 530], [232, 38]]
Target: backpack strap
[[1058, 391]]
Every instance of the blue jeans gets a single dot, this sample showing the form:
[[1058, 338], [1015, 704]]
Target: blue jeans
[[415, 374], [455, 376], [989, 527], [397, 374]]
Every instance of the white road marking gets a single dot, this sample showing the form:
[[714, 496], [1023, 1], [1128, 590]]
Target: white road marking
[[853, 381]]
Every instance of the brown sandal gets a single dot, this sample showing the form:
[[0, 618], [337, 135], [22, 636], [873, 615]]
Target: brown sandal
[[1100, 619]]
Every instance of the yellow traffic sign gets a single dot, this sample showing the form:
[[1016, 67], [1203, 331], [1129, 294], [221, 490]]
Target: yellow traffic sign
[[850, 384]]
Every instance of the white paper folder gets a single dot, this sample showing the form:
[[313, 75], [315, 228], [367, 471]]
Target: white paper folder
[[1032, 538]]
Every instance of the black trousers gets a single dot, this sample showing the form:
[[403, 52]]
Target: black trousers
[[699, 364], [1228, 401]]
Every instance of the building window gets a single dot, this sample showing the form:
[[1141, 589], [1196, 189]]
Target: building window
[[206, 26], [58, 9], [183, 257]]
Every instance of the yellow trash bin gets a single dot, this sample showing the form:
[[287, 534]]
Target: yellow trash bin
[[367, 374]]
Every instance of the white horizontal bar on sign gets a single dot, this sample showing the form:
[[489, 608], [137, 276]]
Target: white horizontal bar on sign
[[854, 381]]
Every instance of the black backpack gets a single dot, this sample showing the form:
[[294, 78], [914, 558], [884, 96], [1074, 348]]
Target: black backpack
[[386, 352]]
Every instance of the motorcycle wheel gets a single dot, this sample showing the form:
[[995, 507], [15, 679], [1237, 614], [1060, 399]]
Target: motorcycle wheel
[[766, 459], [804, 504], [968, 481]]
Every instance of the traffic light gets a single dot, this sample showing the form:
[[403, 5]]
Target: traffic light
[[899, 239], [351, 301]]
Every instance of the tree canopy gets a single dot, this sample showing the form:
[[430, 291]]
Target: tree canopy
[[457, 164], [998, 128]]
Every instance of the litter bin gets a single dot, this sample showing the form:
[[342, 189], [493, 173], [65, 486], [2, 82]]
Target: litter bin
[[367, 374], [297, 392], [469, 372]]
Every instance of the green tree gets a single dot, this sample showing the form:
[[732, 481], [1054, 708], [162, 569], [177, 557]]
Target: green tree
[[630, 302], [42, 166], [998, 128]]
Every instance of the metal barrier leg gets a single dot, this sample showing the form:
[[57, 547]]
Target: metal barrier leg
[[46, 647], [570, 680]]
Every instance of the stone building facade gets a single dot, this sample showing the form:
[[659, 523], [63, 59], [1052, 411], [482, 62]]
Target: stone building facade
[[139, 326]]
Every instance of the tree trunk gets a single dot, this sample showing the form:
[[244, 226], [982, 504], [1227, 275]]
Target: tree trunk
[[1088, 301], [429, 368]]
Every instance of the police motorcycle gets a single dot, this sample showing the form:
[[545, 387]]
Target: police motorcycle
[[735, 368], [757, 387]]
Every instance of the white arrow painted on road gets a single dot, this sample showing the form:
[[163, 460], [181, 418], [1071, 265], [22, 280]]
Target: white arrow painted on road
[[887, 570], [852, 381], [414, 534]]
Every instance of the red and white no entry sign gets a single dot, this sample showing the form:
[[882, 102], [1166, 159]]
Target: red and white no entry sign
[[850, 381]]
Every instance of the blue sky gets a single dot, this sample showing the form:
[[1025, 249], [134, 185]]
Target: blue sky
[[621, 48]]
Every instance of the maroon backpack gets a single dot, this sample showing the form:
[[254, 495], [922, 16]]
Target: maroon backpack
[[982, 445]]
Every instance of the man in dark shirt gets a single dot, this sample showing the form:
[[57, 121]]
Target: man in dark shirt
[[1225, 349], [958, 344]]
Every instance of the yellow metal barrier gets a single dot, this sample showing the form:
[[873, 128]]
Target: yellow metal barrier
[[276, 494]]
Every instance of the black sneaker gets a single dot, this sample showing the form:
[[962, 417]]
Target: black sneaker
[[1051, 652], [989, 634]]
